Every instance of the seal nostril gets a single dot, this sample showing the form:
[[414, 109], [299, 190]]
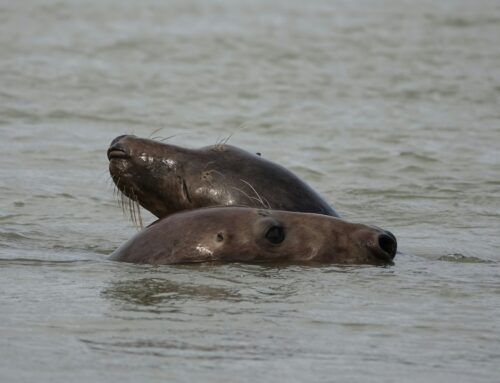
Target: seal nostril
[[387, 242]]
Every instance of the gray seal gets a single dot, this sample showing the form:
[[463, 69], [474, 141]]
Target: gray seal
[[165, 179], [241, 234]]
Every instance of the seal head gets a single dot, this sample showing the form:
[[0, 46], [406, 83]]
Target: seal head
[[252, 235], [165, 179]]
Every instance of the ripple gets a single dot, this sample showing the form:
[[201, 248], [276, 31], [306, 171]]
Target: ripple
[[55, 195], [417, 156], [11, 236], [463, 22], [38, 262], [412, 169], [460, 258], [394, 118], [11, 217]]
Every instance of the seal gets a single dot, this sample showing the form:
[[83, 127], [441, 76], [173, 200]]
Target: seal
[[165, 179], [241, 234]]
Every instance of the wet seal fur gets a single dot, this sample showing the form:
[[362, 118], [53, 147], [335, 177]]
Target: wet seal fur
[[166, 179], [240, 234]]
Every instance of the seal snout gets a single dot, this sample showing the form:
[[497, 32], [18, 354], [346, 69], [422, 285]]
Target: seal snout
[[115, 141], [118, 150], [388, 244]]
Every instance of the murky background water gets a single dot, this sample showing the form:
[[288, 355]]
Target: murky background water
[[391, 109]]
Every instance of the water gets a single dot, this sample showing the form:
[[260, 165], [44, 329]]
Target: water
[[390, 109]]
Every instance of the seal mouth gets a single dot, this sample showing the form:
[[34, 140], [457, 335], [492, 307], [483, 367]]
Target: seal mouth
[[117, 152]]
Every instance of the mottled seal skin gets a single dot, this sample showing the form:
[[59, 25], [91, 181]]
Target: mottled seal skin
[[241, 234], [165, 179]]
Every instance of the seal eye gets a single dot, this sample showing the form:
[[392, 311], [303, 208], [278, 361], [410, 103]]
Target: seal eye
[[275, 234]]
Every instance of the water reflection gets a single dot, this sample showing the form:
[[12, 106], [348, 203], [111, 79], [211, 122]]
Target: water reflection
[[230, 288], [155, 291]]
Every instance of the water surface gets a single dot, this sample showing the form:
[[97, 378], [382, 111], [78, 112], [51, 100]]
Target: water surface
[[391, 109]]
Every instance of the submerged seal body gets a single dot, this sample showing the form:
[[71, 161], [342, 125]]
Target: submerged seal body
[[165, 179], [240, 234]]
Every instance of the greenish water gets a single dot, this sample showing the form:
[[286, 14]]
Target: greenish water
[[391, 109]]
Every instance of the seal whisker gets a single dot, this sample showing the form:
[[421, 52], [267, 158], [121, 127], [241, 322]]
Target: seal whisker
[[117, 196], [137, 206], [128, 202], [141, 224], [125, 203], [267, 203], [160, 138], [249, 196], [133, 207], [218, 141], [115, 192], [154, 132], [118, 191], [242, 192], [131, 211], [217, 172], [122, 201], [255, 191], [172, 136], [224, 142]]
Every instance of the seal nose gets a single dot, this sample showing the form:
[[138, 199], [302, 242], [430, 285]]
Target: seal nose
[[118, 139], [118, 150], [388, 244]]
